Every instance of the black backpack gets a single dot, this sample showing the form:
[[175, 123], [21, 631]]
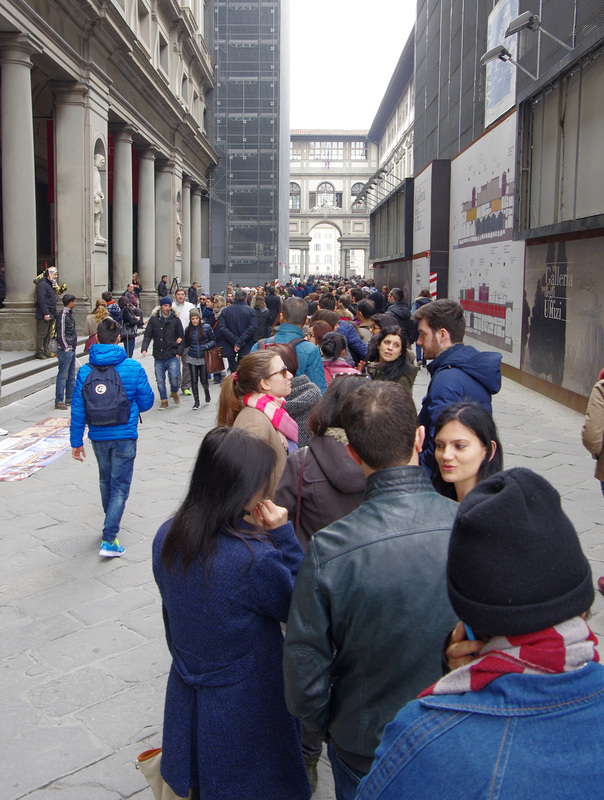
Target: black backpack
[[105, 398]]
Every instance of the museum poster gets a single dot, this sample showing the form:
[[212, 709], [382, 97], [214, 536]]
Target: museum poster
[[563, 313], [486, 266]]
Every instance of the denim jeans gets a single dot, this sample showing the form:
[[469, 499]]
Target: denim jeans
[[65, 375], [171, 366], [116, 463], [345, 777]]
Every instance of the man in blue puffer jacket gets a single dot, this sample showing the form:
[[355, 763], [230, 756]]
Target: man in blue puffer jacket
[[114, 446], [458, 371]]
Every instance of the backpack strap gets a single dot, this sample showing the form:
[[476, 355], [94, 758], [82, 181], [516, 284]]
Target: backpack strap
[[264, 343]]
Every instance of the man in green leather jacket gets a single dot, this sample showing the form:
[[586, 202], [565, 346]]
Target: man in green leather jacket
[[370, 611]]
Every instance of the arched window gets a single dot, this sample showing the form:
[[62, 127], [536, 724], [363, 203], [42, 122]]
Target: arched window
[[326, 195], [294, 197]]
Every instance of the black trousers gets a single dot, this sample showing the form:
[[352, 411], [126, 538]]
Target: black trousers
[[198, 373]]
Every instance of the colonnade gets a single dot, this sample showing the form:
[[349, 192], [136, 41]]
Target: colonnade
[[170, 205]]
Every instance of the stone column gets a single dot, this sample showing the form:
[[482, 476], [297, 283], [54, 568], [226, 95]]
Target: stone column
[[122, 210], [205, 240], [164, 229], [71, 169], [17, 326], [196, 237], [146, 228], [186, 233]]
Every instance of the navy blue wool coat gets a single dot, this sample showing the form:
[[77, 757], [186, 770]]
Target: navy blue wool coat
[[226, 726]]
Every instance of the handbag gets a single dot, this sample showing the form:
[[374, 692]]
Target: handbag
[[214, 361], [92, 339], [53, 345], [149, 763]]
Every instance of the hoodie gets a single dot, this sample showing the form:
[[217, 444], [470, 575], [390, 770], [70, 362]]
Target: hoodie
[[332, 485], [459, 373]]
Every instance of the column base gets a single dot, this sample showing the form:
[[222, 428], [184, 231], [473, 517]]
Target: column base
[[18, 325], [148, 301]]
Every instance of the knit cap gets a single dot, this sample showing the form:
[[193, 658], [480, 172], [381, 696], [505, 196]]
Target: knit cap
[[193, 312], [165, 300], [515, 563]]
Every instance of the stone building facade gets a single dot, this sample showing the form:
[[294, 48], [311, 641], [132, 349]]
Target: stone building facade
[[105, 152], [327, 171]]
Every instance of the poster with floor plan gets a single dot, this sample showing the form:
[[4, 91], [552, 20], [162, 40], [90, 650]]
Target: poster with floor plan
[[486, 267]]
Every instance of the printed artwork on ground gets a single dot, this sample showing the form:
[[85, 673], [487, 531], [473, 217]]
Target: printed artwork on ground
[[28, 451]]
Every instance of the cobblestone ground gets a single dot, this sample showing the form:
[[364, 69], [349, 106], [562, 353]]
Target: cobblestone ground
[[82, 656]]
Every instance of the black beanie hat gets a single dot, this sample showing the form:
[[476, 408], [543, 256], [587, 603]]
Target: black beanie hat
[[515, 563]]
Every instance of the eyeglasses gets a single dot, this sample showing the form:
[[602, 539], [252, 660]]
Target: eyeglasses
[[283, 371]]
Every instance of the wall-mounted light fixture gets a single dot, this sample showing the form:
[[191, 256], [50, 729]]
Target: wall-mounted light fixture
[[502, 54], [531, 22]]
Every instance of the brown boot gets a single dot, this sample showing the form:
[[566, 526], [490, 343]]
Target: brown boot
[[176, 398], [163, 405]]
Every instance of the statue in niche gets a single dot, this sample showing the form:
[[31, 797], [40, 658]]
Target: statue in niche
[[98, 197], [178, 229]]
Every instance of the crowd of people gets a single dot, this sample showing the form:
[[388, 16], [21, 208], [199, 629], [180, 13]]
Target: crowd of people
[[346, 570]]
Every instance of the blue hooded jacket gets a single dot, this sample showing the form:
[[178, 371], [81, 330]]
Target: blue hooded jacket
[[137, 388], [459, 373]]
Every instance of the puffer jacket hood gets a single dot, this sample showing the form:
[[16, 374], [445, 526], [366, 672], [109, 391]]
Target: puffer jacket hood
[[104, 354], [483, 367], [157, 310]]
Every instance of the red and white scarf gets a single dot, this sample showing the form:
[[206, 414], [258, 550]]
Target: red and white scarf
[[272, 407], [563, 648]]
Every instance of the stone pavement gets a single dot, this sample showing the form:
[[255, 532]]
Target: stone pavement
[[83, 657]]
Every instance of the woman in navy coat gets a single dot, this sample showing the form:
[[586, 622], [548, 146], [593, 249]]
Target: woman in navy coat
[[226, 585]]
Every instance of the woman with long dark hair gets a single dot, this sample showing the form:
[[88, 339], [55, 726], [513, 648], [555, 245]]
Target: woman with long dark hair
[[252, 398], [226, 585], [388, 359], [199, 338], [466, 448]]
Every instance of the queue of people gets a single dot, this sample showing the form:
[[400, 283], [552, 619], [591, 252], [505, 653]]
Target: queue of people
[[414, 579], [434, 605]]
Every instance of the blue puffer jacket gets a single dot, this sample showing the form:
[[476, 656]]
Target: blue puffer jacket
[[459, 373], [135, 383], [197, 346]]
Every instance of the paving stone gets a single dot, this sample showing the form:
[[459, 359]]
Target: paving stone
[[117, 774], [130, 717], [46, 753], [35, 633], [129, 575], [112, 607], [45, 604], [75, 691], [89, 645], [27, 583], [147, 662]]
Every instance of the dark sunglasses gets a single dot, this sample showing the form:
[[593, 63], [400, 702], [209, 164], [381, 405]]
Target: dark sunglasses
[[282, 371]]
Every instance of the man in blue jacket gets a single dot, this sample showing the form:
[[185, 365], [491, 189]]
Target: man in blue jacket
[[114, 446], [295, 311], [458, 371], [521, 714]]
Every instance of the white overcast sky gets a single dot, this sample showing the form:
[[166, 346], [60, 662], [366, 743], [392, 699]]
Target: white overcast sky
[[343, 54]]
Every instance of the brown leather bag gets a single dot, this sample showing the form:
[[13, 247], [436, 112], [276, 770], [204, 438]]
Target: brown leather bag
[[214, 361]]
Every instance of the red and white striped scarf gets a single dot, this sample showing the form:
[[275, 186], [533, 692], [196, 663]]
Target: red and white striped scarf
[[563, 648], [272, 407]]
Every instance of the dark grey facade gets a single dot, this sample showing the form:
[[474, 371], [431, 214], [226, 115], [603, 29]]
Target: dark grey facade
[[250, 119]]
